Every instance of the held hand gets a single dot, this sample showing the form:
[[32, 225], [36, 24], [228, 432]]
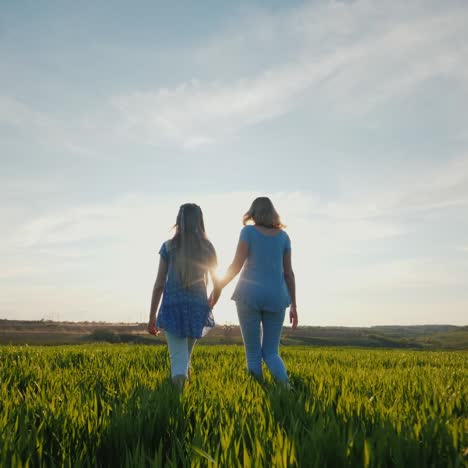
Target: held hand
[[211, 301], [214, 296], [152, 328], [293, 320]]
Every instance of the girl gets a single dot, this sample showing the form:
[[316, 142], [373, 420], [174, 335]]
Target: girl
[[185, 314], [265, 288]]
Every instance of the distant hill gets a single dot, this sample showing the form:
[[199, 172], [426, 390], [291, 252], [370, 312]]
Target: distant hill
[[416, 336], [430, 337]]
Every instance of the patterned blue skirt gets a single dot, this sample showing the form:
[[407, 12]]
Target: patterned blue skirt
[[185, 312]]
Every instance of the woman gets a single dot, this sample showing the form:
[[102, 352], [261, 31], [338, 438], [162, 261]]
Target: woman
[[265, 288], [185, 314]]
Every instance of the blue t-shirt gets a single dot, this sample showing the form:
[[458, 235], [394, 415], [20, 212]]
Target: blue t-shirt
[[185, 312], [261, 284]]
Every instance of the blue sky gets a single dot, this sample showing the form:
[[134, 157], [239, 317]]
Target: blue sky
[[351, 116]]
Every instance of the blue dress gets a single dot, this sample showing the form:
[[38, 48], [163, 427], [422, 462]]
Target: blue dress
[[184, 312], [261, 284]]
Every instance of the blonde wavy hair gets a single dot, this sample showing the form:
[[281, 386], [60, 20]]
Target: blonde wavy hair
[[263, 213]]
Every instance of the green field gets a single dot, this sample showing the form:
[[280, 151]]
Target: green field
[[113, 405]]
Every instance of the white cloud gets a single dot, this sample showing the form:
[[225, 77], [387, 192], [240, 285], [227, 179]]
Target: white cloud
[[99, 259], [195, 113], [44, 129], [335, 54], [424, 274], [422, 188], [353, 55], [16, 113], [113, 246], [437, 187]]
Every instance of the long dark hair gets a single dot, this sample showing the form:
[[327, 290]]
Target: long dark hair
[[194, 253]]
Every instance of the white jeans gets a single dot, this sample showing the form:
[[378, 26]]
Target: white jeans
[[180, 352]]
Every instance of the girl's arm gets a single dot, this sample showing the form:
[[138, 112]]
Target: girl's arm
[[156, 296], [291, 284], [235, 267]]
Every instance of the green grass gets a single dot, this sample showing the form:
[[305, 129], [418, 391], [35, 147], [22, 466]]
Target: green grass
[[113, 405]]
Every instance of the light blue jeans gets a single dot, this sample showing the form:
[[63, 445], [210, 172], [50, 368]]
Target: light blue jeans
[[261, 332], [180, 352]]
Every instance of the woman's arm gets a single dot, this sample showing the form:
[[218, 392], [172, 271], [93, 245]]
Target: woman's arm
[[233, 270], [291, 284], [156, 296], [235, 267]]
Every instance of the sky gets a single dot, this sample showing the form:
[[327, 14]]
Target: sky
[[352, 116]]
